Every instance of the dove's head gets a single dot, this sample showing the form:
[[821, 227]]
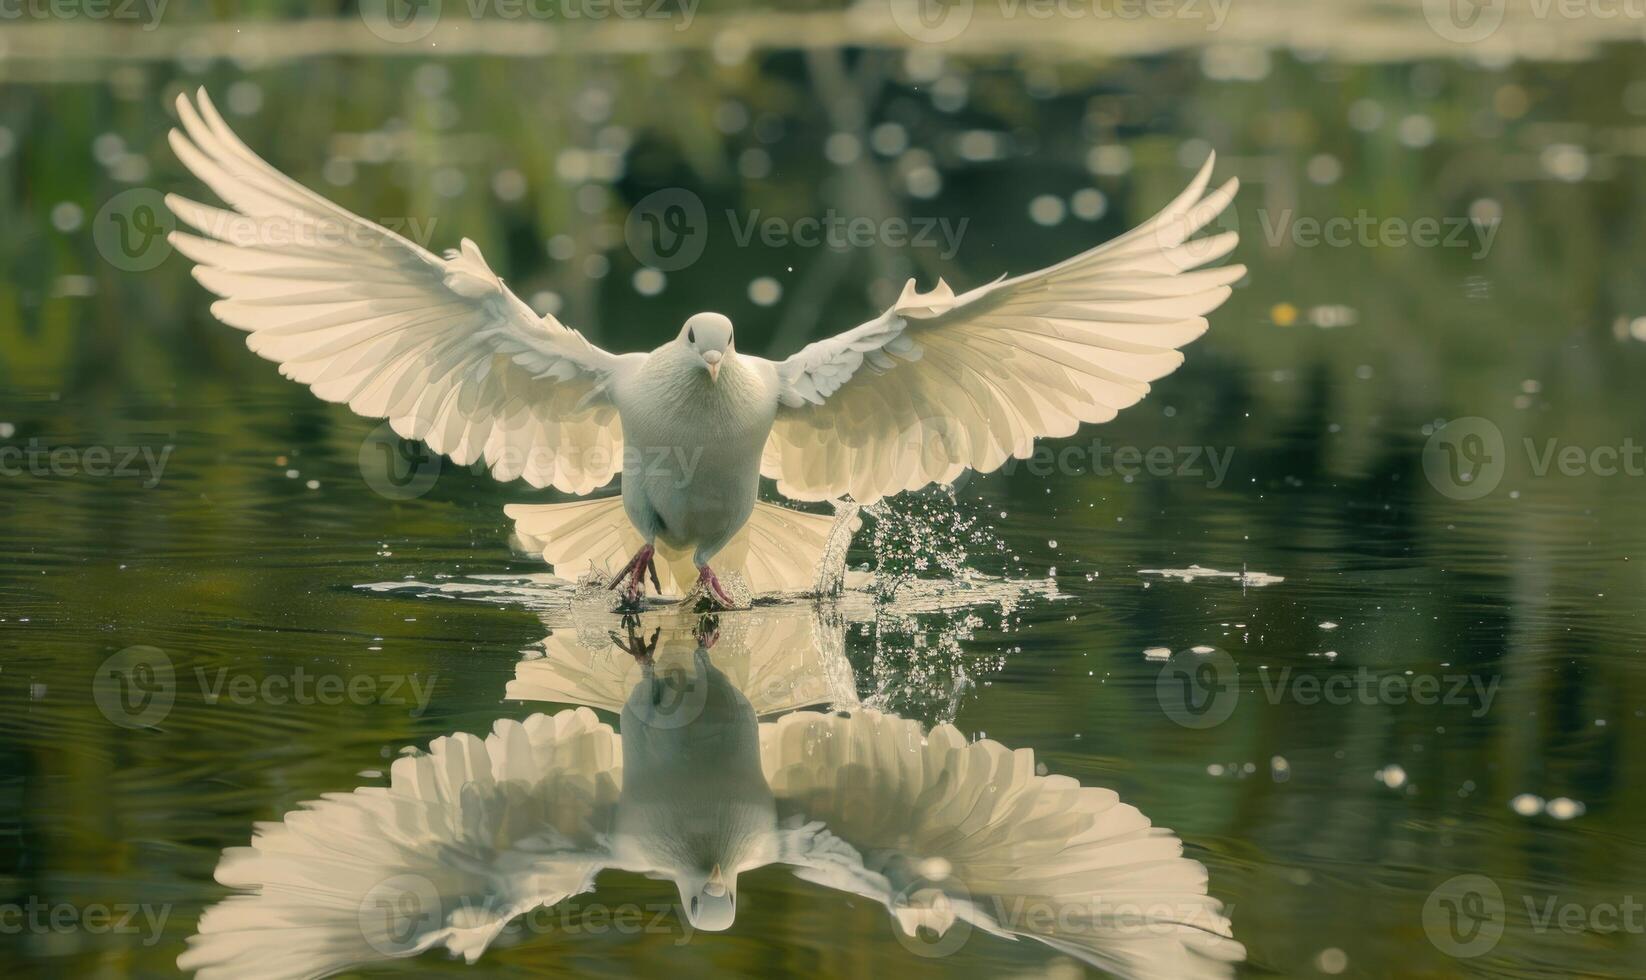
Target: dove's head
[[709, 335], [710, 900]]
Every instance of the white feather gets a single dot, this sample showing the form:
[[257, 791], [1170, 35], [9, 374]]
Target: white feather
[[942, 383], [364, 316], [942, 830]]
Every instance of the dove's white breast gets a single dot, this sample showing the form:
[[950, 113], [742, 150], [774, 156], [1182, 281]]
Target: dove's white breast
[[692, 446]]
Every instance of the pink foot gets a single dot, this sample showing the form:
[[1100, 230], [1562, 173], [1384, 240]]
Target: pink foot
[[634, 646], [635, 572], [707, 578]]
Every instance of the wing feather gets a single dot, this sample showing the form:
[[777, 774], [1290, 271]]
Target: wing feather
[[463, 839], [940, 383], [952, 834], [363, 316]]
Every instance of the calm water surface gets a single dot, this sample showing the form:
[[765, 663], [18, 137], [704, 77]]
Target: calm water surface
[[1413, 681]]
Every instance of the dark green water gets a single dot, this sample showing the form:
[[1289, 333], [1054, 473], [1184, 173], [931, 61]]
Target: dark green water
[[1436, 686]]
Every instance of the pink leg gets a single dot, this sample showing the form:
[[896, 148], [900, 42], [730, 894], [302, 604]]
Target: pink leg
[[635, 572], [706, 576], [640, 650]]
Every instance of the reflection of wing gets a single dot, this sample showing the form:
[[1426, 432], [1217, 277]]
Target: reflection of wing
[[941, 383], [796, 658], [944, 831], [463, 839], [781, 659], [367, 317]]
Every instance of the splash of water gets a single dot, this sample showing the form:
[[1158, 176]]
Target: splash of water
[[924, 532]]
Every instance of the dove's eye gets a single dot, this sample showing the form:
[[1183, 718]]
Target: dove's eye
[[691, 336]]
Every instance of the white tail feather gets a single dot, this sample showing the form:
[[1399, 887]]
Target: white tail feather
[[778, 550]]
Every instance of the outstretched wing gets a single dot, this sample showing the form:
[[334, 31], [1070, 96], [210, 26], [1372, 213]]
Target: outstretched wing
[[940, 383], [366, 317], [465, 838], [956, 835]]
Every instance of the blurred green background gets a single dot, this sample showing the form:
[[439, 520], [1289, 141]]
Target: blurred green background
[[1325, 375]]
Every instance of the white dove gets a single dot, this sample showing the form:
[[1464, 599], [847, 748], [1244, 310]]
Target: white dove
[[952, 837], [938, 384]]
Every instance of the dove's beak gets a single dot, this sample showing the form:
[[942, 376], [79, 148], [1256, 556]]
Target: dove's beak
[[712, 359], [716, 885]]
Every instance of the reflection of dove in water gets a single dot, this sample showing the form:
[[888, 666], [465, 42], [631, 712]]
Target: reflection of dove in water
[[935, 385], [799, 662], [951, 837], [695, 805]]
